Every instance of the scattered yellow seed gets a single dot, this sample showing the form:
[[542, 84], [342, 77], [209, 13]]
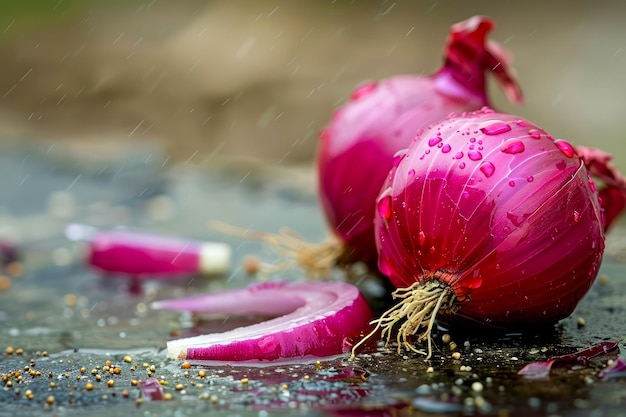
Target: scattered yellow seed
[[50, 399], [19, 351], [83, 370], [446, 338], [167, 396], [128, 359], [98, 378], [138, 401], [153, 368], [186, 374], [89, 386], [5, 283], [179, 387], [110, 383], [285, 386], [580, 322], [318, 365], [163, 383], [125, 394], [251, 264], [430, 370], [9, 384], [70, 300], [452, 346], [94, 371], [15, 269], [134, 382], [456, 355], [306, 377], [28, 394], [200, 386], [201, 374], [53, 384], [244, 380], [185, 365], [477, 386], [604, 279], [10, 350], [108, 363]]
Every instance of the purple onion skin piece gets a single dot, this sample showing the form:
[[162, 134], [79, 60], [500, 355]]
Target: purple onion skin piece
[[492, 206], [357, 147]]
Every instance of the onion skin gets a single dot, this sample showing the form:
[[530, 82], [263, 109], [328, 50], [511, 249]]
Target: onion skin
[[325, 317], [494, 207], [357, 148]]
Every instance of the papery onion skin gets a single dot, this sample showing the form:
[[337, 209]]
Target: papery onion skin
[[501, 212], [357, 147]]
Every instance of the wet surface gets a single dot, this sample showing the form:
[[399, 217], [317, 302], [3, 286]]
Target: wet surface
[[65, 322]]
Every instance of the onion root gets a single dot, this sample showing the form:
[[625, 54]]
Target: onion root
[[418, 306], [316, 259]]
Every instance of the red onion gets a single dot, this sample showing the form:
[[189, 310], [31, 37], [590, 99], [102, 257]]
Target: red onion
[[357, 148], [316, 319], [486, 218]]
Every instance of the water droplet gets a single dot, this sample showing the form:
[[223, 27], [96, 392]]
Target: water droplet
[[459, 155], [475, 281], [434, 140], [512, 183], [411, 173], [480, 142], [384, 207], [513, 146], [576, 216], [446, 148], [363, 90], [521, 123], [530, 178], [592, 185], [422, 237], [462, 165], [496, 128], [550, 137], [487, 168], [471, 147], [398, 157], [561, 165], [474, 155], [472, 140], [534, 133], [385, 266], [439, 145], [565, 147], [432, 249]]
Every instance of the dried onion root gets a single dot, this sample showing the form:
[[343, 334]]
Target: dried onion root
[[316, 259]]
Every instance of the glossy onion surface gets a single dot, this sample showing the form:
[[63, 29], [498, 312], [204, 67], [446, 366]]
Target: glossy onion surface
[[356, 149], [497, 209]]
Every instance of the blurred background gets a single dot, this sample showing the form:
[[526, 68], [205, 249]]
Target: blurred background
[[201, 81]]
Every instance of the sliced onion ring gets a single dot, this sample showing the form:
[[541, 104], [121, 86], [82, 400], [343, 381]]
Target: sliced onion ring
[[317, 319]]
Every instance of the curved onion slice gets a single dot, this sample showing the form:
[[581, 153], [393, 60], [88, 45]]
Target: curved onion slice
[[317, 319]]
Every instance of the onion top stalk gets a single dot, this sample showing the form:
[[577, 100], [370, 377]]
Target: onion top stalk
[[357, 148], [486, 218]]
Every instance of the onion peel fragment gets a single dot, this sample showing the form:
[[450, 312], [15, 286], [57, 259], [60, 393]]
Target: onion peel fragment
[[325, 317]]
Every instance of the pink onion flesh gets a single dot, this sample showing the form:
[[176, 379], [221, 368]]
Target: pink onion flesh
[[357, 148], [316, 319], [487, 218]]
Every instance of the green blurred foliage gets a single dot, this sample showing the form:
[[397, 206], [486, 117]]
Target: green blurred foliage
[[19, 16]]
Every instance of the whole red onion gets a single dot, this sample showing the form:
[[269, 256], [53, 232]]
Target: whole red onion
[[487, 218], [357, 148]]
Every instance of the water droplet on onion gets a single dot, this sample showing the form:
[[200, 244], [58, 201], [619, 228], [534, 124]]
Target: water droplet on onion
[[513, 146], [422, 237], [462, 165], [565, 147], [521, 123], [512, 183], [446, 148], [434, 140], [496, 128], [534, 133], [577, 216], [411, 172], [384, 207], [487, 168], [459, 155], [530, 178], [561, 165], [474, 155]]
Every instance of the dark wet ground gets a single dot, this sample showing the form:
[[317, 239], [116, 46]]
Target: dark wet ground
[[70, 321]]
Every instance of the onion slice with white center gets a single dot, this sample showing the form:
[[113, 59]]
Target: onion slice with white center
[[316, 319]]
